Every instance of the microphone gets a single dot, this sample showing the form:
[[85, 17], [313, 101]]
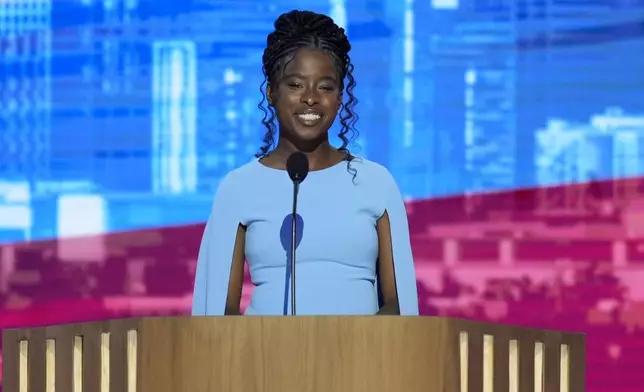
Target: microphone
[[297, 166]]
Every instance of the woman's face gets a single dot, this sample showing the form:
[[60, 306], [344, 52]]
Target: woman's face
[[307, 99]]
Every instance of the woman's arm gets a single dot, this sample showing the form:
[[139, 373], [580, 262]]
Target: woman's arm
[[236, 281], [396, 271], [386, 273]]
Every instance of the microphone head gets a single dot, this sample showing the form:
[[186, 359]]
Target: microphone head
[[297, 166]]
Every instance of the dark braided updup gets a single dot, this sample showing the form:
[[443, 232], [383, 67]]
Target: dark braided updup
[[305, 29]]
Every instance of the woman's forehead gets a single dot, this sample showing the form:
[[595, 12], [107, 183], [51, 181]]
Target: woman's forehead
[[310, 62]]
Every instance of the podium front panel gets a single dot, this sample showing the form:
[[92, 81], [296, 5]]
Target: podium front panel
[[298, 354]]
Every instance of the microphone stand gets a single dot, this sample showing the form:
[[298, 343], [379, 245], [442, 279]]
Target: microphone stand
[[296, 187]]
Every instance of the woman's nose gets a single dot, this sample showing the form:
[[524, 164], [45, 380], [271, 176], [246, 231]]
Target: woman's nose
[[309, 97]]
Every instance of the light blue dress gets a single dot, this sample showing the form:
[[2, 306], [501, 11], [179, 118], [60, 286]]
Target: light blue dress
[[337, 242]]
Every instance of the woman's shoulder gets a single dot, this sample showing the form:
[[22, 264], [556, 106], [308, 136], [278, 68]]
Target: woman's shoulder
[[371, 171], [239, 178]]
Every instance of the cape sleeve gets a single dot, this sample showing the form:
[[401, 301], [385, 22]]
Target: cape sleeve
[[216, 251], [405, 272]]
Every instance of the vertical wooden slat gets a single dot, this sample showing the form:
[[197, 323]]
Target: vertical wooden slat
[[23, 367], [488, 363], [77, 364], [37, 356], [50, 365], [501, 363], [475, 363], [463, 364], [132, 360], [539, 362], [105, 362], [513, 366], [564, 368]]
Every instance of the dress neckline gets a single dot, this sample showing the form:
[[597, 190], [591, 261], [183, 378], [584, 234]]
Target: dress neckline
[[319, 171]]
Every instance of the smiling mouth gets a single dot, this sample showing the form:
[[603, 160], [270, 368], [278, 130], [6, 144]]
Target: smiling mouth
[[309, 119]]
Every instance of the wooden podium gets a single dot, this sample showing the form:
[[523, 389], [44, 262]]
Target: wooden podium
[[292, 354]]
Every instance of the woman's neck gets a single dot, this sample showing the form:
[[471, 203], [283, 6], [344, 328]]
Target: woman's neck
[[323, 156]]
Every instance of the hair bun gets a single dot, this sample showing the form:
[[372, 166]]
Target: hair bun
[[296, 24]]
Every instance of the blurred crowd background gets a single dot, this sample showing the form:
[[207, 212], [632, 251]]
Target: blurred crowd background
[[515, 129]]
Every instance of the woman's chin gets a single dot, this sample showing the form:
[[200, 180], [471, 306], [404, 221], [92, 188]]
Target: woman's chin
[[308, 135]]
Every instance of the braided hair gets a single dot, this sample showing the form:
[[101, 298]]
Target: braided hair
[[305, 29]]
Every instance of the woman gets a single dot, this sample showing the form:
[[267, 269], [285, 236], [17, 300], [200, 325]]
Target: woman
[[353, 252]]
